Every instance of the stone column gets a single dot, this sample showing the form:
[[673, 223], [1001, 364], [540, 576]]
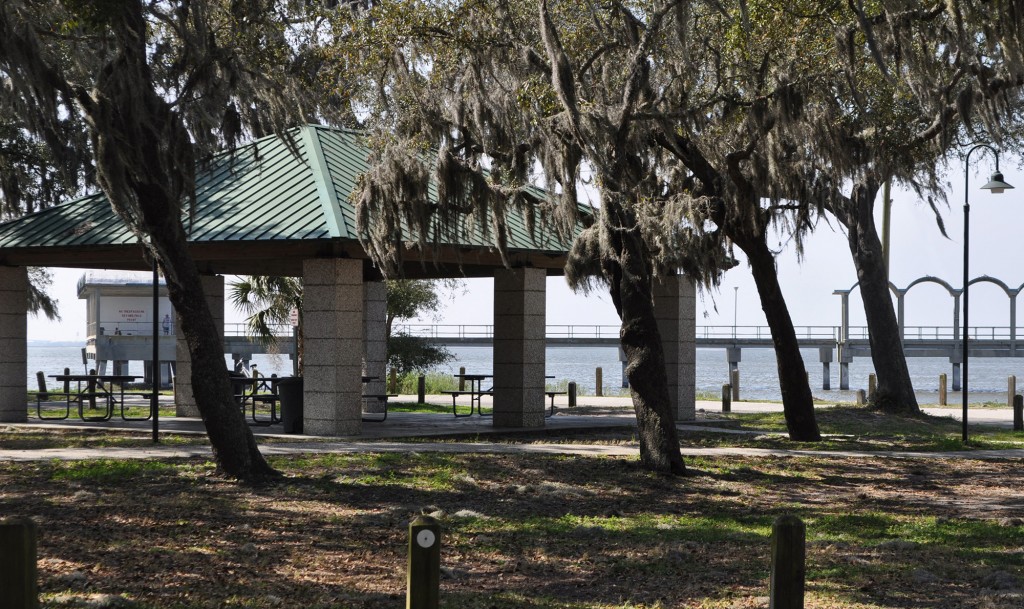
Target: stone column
[[184, 401], [675, 308], [375, 350], [13, 352], [332, 326], [519, 342]]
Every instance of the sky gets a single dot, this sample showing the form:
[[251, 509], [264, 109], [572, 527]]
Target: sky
[[918, 249]]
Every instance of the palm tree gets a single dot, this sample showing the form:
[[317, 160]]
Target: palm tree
[[269, 301]]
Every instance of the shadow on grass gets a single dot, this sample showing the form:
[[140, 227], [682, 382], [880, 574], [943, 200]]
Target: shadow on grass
[[518, 531]]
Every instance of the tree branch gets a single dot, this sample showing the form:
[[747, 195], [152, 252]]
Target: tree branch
[[561, 70], [638, 69]]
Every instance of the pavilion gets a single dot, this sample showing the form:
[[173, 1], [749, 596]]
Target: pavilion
[[271, 208]]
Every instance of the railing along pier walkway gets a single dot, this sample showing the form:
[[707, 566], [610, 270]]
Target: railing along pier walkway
[[832, 342]]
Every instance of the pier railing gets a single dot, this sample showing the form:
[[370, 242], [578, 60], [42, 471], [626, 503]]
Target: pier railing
[[279, 330], [610, 333], [717, 334]]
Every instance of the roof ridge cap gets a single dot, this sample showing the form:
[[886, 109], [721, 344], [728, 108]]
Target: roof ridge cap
[[329, 203]]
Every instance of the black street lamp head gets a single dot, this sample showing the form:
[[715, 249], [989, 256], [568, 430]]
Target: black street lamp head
[[996, 184]]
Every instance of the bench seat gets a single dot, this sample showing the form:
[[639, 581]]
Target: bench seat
[[383, 399], [474, 397], [552, 394]]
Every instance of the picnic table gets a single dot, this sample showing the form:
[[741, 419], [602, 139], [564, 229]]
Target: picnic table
[[475, 391], [87, 389], [380, 397], [552, 394], [256, 391]]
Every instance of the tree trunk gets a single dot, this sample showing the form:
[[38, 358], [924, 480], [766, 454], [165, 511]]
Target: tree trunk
[[630, 286], [144, 164], [797, 402], [895, 392], [234, 446], [645, 370]]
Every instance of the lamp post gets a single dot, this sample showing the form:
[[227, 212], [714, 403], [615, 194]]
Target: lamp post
[[997, 186], [735, 301]]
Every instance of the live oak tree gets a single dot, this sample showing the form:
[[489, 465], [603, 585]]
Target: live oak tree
[[29, 182], [458, 95], [160, 86], [851, 130], [954, 72], [677, 146]]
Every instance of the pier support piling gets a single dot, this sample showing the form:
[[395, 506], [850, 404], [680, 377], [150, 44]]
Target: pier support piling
[[825, 357]]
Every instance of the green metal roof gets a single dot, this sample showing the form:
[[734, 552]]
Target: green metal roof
[[263, 192]]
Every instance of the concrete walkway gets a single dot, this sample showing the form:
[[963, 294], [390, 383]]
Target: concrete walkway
[[594, 450], [378, 437]]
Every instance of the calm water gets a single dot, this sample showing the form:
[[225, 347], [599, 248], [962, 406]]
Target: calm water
[[53, 360], [758, 378]]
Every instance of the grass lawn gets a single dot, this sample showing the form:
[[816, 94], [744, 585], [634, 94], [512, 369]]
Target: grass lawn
[[858, 428], [522, 531], [533, 531]]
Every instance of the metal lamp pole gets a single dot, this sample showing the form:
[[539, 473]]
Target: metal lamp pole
[[735, 302], [997, 186]]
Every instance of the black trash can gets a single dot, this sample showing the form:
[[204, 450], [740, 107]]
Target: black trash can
[[289, 391]]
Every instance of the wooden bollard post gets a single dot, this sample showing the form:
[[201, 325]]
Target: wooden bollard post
[[598, 382], [424, 588], [861, 397], [1018, 412], [67, 384], [786, 589], [943, 399], [462, 378], [734, 380], [394, 381], [44, 395], [727, 398], [572, 393], [872, 386], [18, 574], [1011, 390], [421, 389]]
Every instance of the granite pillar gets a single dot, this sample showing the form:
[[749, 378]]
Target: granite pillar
[[375, 344], [519, 343], [675, 309], [332, 326], [13, 351]]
